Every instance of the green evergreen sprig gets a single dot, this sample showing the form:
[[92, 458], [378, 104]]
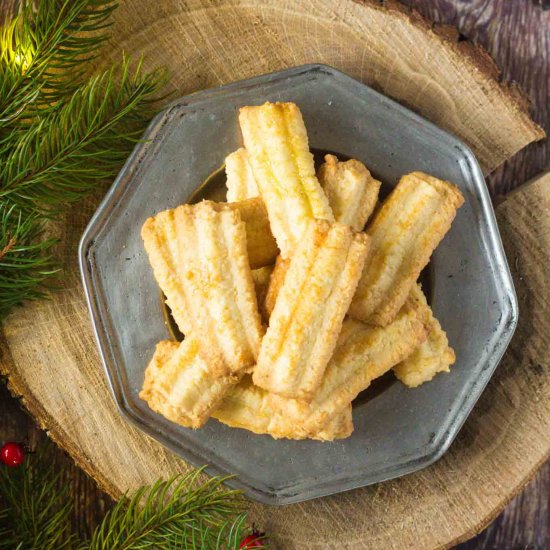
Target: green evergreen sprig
[[180, 513], [63, 131], [26, 264], [80, 143], [34, 506], [45, 51]]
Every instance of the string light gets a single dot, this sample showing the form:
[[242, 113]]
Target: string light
[[13, 50], [23, 58]]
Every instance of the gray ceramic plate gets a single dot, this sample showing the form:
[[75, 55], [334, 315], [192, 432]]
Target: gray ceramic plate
[[397, 430]]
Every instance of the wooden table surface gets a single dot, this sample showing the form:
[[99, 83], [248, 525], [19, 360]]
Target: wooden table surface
[[517, 34]]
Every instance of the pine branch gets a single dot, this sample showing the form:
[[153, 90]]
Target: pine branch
[[25, 260], [45, 52], [178, 513], [68, 34], [60, 136], [83, 142], [34, 508], [182, 513]]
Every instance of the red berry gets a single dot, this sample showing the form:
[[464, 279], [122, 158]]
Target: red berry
[[252, 541], [12, 454]]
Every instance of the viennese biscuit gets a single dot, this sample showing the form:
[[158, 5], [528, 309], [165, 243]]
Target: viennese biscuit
[[432, 356], [362, 354], [276, 142], [308, 314], [248, 407], [199, 258], [180, 385], [241, 183], [351, 190], [405, 231]]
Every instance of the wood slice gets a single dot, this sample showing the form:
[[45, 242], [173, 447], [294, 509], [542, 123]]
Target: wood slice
[[49, 353], [453, 83]]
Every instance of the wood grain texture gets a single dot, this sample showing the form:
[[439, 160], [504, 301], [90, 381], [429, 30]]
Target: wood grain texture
[[89, 502], [221, 41], [517, 36], [207, 43], [7, 9], [501, 445], [525, 522]]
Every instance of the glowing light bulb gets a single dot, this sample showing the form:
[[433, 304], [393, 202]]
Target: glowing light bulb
[[23, 58], [16, 46]]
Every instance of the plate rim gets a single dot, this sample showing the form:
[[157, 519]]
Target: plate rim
[[506, 324]]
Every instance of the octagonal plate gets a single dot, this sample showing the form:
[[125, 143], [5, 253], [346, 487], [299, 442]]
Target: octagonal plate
[[397, 430]]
